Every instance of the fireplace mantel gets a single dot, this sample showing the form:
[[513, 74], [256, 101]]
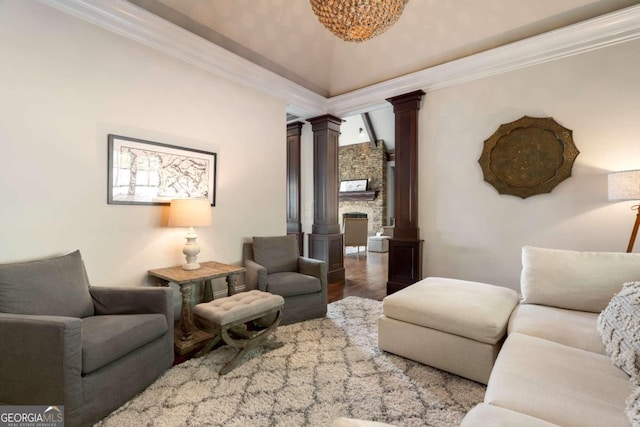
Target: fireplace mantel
[[365, 196]]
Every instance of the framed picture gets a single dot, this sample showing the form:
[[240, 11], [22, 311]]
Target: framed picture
[[353, 185], [150, 173]]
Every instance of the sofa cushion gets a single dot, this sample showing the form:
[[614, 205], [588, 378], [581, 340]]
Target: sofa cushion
[[292, 284], [107, 338], [56, 286], [619, 326], [583, 281], [469, 309], [495, 416], [557, 383], [568, 327], [276, 254]]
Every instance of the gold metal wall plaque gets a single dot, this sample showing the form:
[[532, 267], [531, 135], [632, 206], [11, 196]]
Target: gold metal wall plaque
[[528, 156]]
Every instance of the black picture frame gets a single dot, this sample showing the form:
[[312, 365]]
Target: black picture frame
[[142, 172]]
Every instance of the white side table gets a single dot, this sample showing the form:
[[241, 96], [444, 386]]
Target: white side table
[[378, 244]]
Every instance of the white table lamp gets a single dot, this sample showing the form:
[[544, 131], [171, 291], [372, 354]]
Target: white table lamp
[[626, 186], [190, 213]]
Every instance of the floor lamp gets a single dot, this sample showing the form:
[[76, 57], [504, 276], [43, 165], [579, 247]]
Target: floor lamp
[[626, 186]]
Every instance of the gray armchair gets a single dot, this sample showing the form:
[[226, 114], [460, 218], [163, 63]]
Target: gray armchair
[[274, 265], [88, 348]]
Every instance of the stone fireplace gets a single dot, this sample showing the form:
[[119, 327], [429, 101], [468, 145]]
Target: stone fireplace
[[363, 161]]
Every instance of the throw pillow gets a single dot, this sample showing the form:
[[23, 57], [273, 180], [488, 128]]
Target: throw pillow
[[619, 327], [583, 281], [56, 287]]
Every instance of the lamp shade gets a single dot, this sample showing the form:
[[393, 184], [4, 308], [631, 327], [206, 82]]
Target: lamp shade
[[624, 185], [189, 213]]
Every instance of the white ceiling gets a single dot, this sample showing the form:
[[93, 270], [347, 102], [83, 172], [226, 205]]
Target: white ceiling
[[278, 46], [285, 37]]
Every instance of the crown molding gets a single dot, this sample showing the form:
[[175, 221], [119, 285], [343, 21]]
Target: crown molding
[[613, 28], [133, 22]]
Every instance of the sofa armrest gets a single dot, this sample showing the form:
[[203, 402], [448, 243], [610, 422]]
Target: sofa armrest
[[255, 276], [41, 360], [314, 267]]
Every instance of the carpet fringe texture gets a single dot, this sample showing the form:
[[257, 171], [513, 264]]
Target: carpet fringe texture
[[328, 368]]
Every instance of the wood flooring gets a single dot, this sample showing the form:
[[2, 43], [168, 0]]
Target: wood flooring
[[365, 276]]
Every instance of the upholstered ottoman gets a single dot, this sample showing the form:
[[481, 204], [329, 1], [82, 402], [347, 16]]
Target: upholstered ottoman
[[229, 319], [453, 325]]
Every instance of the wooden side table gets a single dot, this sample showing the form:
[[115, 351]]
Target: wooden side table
[[188, 337]]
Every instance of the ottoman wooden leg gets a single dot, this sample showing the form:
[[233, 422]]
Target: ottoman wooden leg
[[248, 341], [236, 335], [212, 342], [236, 319]]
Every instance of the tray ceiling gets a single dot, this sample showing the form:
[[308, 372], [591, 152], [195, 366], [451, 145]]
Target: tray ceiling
[[285, 37]]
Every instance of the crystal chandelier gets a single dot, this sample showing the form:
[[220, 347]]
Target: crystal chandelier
[[358, 20]]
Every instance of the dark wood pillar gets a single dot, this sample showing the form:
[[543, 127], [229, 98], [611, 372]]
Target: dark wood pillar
[[294, 223], [325, 240], [405, 248]]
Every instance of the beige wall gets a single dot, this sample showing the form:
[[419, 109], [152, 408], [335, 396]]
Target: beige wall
[[66, 84], [470, 231]]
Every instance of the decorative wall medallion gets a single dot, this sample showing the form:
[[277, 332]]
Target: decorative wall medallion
[[529, 156]]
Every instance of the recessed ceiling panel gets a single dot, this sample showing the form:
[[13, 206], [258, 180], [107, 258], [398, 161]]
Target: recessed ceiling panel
[[285, 37]]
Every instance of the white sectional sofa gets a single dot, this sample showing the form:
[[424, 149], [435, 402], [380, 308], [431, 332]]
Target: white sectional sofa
[[552, 368]]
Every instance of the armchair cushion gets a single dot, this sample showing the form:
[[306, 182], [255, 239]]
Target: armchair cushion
[[276, 254], [107, 338], [289, 284], [56, 287]]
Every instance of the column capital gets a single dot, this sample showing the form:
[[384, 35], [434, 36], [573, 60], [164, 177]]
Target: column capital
[[408, 101], [294, 128], [326, 121]]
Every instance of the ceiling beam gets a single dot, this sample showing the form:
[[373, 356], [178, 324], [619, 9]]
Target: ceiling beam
[[368, 126]]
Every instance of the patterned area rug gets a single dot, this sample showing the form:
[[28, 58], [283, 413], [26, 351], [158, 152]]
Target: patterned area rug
[[328, 368]]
